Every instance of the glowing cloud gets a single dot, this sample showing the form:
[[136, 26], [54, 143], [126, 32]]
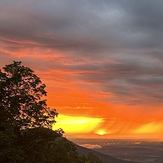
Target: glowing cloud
[[152, 127], [74, 124]]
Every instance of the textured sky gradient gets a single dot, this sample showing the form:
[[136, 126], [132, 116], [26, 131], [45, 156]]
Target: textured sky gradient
[[99, 59]]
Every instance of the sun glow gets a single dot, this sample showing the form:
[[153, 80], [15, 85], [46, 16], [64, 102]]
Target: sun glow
[[74, 124], [101, 132]]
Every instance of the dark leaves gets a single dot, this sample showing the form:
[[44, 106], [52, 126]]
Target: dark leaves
[[20, 97]]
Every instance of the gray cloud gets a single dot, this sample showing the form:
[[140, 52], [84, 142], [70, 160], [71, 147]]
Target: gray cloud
[[84, 24], [114, 43]]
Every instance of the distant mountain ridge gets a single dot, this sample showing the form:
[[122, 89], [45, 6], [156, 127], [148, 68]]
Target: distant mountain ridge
[[105, 158]]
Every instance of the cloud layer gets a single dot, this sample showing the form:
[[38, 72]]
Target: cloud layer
[[114, 45]]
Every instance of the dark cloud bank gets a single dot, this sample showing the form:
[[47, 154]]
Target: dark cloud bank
[[118, 42]]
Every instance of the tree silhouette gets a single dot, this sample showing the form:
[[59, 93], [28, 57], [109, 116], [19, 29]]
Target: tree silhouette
[[21, 103]]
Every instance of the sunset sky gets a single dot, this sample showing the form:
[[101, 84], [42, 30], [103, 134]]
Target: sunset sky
[[101, 60]]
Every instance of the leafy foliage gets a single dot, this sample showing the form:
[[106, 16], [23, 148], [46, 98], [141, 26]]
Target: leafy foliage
[[20, 98], [10, 152], [47, 146]]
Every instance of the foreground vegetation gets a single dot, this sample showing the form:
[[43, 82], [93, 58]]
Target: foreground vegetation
[[26, 121], [39, 145]]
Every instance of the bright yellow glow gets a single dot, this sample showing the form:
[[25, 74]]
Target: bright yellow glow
[[152, 127], [72, 124], [101, 132]]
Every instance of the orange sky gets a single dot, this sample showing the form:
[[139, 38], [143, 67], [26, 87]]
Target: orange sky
[[84, 109], [115, 120], [101, 62]]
